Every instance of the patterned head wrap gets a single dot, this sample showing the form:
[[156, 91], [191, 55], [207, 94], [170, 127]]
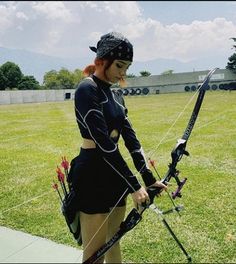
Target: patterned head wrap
[[114, 46]]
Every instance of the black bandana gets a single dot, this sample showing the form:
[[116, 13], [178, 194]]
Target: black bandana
[[114, 46]]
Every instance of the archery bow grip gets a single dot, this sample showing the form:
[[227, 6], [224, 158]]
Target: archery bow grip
[[152, 192]]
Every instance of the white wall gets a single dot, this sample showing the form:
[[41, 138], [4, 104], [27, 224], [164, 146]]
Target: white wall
[[34, 96]]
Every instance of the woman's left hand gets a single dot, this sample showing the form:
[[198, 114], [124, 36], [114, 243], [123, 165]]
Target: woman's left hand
[[160, 185]]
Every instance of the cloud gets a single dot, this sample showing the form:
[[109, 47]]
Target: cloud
[[53, 10], [125, 11], [68, 28], [184, 42], [6, 13], [22, 15]]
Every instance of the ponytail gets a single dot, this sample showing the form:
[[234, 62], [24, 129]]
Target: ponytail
[[88, 70], [91, 68]]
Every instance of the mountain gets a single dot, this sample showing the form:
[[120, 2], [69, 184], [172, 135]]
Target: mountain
[[36, 64], [156, 67]]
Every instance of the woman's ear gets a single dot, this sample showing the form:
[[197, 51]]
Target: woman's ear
[[99, 62]]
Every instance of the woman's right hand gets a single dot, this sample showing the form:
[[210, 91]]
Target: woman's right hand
[[140, 197]]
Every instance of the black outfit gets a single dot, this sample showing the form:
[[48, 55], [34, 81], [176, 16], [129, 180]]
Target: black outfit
[[100, 176]]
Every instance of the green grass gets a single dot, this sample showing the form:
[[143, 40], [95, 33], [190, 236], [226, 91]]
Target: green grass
[[34, 137]]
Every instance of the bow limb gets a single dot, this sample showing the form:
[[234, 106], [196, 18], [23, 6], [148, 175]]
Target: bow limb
[[129, 223], [202, 90], [105, 222], [180, 148]]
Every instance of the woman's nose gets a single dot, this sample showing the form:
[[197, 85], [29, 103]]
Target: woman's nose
[[123, 73]]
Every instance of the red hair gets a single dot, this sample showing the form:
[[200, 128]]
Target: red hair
[[91, 68]]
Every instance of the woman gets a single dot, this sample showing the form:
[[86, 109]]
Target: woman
[[101, 177]]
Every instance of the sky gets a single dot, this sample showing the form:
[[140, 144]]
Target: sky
[[180, 30]]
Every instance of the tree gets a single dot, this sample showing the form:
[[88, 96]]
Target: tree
[[65, 79], [12, 73], [130, 75], [231, 65], [50, 80], [3, 81], [167, 72], [77, 76], [28, 82], [145, 73]]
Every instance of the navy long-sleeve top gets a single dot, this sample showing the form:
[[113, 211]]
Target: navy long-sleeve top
[[102, 116]]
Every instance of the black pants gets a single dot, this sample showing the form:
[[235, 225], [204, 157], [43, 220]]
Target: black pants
[[97, 185]]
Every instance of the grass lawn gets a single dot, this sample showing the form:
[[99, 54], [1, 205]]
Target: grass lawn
[[34, 137]]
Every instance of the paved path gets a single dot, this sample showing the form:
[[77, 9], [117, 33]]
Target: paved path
[[19, 247]]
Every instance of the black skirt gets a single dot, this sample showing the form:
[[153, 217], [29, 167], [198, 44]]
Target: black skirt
[[97, 185]]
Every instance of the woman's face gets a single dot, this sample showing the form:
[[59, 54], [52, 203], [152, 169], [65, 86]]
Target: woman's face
[[117, 70]]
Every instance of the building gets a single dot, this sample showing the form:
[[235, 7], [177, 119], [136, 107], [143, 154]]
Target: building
[[222, 79]]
